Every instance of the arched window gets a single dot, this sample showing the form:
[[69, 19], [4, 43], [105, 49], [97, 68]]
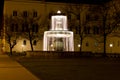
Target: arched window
[[34, 42], [24, 42]]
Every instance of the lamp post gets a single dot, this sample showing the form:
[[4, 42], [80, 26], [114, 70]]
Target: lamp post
[[111, 45], [79, 46]]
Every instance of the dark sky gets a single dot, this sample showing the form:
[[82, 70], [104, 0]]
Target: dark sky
[[80, 1], [1, 12]]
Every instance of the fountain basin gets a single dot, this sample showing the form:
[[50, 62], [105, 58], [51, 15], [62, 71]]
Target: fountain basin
[[58, 40]]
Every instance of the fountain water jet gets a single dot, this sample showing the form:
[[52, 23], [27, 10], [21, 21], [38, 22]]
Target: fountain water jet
[[58, 38]]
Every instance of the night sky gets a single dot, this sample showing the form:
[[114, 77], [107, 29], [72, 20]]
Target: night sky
[[80, 1], [1, 12]]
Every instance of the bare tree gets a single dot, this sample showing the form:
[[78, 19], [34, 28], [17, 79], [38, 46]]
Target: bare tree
[[76, 21], [11, 33], [30, 25], [110, 19]]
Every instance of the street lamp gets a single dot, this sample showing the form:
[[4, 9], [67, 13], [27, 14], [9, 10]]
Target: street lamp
[[79, 45], [111, 45], [59, 12]]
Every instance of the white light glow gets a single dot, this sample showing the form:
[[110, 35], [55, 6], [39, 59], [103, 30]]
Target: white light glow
[[111, 45], [59, 22], [79, 45], [62, 34], [23, 45], [59, 12], [51, 45], [58, 37]]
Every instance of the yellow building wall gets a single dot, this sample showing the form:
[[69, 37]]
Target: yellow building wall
[[43, 9]]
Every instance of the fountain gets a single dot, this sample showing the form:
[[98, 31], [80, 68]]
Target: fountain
[[58, 38]]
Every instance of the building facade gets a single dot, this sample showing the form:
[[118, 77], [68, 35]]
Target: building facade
[[84, 21]]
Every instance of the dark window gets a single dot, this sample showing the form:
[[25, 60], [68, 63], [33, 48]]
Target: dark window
[[14, 42], [76, 30], [87, 17], [87, 44], [92, 17], [35, 14], [35, 28], [50, 14], [69, 17], [24, 27], [79, 30], [14, 27], [24, 42], [96, 30], [78, 17], [96, 17], [14, 13], [34, 42], [70, 28], [87, 30], [25, 13]]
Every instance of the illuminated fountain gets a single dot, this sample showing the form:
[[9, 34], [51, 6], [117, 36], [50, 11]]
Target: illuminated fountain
[[58, 38]]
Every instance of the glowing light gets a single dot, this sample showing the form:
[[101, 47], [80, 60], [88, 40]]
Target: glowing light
[[59, 12], [22, 45], [51, 45], [58, 35], [79, 45], [111, 45], [23, 48], [59, 22]]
